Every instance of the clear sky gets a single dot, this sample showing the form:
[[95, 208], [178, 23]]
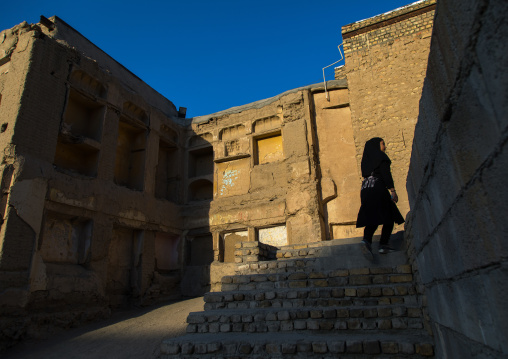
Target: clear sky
[[209, 56]]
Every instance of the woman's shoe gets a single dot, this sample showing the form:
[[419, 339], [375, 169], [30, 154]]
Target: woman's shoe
[[386, 249]]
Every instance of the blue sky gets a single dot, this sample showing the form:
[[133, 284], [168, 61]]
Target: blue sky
[[209, 56]]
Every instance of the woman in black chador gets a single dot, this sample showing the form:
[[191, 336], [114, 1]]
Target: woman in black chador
[[378, 205]]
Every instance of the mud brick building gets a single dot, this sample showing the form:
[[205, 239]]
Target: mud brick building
[[112, 197]]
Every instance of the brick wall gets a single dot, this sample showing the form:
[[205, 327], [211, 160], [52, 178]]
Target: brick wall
[[456, 182], [386, 59]]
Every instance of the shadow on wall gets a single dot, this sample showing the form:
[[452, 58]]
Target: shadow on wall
[[198, 251]]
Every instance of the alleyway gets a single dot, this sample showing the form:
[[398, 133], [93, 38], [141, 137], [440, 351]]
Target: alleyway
[[133, 334]]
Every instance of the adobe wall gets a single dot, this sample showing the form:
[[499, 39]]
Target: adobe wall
[[456, 183], [385, 64], [88, 224], [285, 172]]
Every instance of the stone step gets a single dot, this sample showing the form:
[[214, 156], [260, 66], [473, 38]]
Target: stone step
[[298, 345], [401, 294], [305, 318], [302, 279]]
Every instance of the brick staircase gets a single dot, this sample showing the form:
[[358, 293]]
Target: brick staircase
[[310, 305]]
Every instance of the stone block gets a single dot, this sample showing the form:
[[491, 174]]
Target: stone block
[[326, 325], [303, 347], [336, 346], [187, 348], [298, 284], [229, 349], [389, 347], [402, 278], [337, 293], [313, 325], [300, 325], [406, 348], [244, 348], [225, 328], [298, 276], [170, 347], [381, 270], [399, 323], [200, 348], [316, 313], [273, 348], [384, 324], [354, 324], [371, 347], [359, 271], [319, 347], [288, 348], [353, 346], [350, 292]]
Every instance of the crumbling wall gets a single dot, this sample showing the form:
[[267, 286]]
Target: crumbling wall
[[385, 63], [90, 191], [338, 169], [457, 225], [262, 161]]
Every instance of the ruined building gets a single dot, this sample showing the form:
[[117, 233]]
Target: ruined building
[[111, 197]]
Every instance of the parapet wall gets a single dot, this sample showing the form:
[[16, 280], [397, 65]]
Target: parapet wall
[[456, 183]]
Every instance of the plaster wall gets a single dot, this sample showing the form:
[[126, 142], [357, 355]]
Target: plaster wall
[[457, 224]]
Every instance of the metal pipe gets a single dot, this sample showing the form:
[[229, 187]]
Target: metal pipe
[[324, 79]]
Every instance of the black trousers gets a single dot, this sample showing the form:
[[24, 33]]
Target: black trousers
[[386, 232]]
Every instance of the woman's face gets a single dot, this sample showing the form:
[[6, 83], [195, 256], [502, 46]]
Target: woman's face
[[382, 146]]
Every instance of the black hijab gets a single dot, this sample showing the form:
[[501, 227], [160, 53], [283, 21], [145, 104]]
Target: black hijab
[[372, 156]]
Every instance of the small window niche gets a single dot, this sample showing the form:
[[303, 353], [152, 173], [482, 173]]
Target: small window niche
[[167, 252], [166, 174], [83, 117], [201, 162], [200, 250], [78, 145], [66, 239], [200, 190], [130, 155], [268, 148]]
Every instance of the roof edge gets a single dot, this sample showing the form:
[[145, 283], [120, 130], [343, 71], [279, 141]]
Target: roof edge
[[319, 87]]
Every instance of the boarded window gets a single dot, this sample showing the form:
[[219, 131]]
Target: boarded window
[[65, 239], [233, 177], [167, 252], [229, 242], [269, 149], [200, 250], [273, 236]]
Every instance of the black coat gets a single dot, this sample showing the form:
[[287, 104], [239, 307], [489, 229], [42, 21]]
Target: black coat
[[377, 206]]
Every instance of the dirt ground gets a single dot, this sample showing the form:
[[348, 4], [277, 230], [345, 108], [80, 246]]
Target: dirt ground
[[130, 334]]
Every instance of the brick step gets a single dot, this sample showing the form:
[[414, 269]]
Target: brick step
[[382, 294], [298, 345], [305, 318], [301, 279], [278, 266]]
